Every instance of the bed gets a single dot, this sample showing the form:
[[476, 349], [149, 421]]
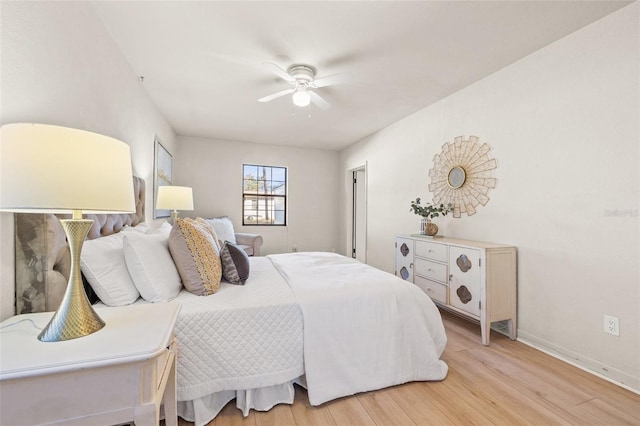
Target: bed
[[321, 320]]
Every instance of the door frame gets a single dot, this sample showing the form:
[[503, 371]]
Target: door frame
[[351, 212]]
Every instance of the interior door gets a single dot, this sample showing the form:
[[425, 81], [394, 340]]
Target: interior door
[[464, 279], [359, 227]]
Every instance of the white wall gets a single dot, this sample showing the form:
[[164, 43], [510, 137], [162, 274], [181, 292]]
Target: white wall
[[214, 169], [563, 125], [60, 66]]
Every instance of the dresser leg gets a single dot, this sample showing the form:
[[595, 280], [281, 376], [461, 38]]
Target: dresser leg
[[485, 330], [511, 328]]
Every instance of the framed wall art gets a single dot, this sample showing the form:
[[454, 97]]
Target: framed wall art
[[162, 175], [462, 175]]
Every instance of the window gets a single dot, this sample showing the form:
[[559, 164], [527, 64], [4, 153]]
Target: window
[[264, 195]]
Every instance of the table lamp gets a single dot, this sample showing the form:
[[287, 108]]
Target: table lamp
[[53, 169], [174, 198]]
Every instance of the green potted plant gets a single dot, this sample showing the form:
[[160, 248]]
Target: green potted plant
[[428, 212]]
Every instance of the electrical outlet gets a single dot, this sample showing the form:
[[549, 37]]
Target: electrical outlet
[[611, 325], [294, 248]]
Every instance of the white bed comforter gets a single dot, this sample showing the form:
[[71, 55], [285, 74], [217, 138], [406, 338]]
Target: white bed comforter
[[364, 329], [347, 326]]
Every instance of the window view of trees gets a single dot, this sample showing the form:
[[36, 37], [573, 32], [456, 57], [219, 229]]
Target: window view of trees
[[264, 195]]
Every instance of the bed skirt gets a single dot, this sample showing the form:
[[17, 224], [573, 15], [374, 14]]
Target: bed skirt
[[202, 410]]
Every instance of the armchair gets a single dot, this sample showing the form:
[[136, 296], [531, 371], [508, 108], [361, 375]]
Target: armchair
[[251, 243]]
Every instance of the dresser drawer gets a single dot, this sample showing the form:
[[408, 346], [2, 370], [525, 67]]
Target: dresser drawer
[[436, 291], [432, 270], [431, 250]]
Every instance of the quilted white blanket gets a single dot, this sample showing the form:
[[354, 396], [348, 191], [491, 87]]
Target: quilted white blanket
[[364, 329], [243, 337]]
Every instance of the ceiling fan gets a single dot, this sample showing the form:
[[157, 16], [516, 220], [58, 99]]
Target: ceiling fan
[[302, 78]]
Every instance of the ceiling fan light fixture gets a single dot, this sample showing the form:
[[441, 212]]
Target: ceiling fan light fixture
[[301, 98]]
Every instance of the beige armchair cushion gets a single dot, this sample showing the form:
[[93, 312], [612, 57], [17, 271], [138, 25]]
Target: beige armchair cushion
[[250, 243], [223, 226]]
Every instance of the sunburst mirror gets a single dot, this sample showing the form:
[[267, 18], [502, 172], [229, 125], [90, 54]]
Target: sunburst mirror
[[462, 175]]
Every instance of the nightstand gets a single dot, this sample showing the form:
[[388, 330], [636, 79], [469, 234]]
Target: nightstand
[[119, 374]]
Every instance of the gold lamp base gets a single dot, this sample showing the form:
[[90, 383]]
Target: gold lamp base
[[174, 215], [75, 317]]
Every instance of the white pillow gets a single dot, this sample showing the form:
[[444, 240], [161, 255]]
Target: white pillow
[[151, 266], [224, 229], [164, 228], [141, 227], [102, 262]]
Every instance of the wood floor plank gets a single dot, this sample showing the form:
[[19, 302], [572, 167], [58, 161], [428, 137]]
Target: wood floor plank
[[491, 398], [349, 411], [305, 414], [540, 387], [604, 413], [383, 409], [480, 379], [280, 415], [614, 395], [457, 408], [231, 416], [544, 382], [418, 406]]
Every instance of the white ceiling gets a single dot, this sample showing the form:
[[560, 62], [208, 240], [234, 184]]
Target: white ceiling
[[201, 61]]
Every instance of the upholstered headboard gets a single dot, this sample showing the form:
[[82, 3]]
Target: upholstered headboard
[[43, 261]]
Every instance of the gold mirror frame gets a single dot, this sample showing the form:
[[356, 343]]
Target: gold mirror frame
[[456, 177], [462, 175]]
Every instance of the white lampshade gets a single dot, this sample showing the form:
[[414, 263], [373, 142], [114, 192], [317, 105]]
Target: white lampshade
[[53, 169], [174, 198]]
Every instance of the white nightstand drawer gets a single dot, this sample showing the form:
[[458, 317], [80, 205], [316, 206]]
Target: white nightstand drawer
[[432, 270], [436, 291], [431, 250]]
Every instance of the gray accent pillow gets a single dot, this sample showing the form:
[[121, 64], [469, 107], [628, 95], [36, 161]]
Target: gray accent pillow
[[235, 263]]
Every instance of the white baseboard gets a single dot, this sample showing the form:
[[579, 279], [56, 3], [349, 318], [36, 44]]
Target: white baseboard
[[594, 367]]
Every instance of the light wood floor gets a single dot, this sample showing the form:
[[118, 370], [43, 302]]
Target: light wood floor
[[507, 383]]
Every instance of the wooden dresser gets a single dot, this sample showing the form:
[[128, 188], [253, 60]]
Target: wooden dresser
[[474, 279]]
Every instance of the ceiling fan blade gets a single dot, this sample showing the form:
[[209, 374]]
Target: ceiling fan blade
[[279, 72], [330, 80], [318, 100], [276, 95]]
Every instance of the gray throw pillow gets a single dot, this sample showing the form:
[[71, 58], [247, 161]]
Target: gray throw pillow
[[235, 263]]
